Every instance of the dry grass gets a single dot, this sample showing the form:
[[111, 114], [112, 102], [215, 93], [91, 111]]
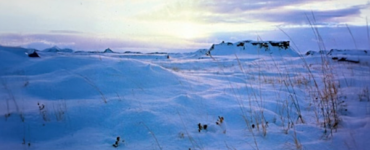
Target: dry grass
[[94, 86], [60, 108], [12, 97], [152, 133], [43, 112]]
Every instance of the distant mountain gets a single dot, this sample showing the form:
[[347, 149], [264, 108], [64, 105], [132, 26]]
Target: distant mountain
[[108, 50], [57, 49]]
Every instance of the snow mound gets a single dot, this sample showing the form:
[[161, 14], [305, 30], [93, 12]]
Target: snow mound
[[338, 52], [314, 53], [343, 55], [250, 47], [14, 56], [351, 52], [200, 54], [351, 56]]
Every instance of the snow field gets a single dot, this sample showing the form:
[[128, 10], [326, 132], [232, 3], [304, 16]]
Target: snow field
[[85, 100]]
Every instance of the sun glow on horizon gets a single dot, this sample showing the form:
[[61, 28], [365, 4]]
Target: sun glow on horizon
[[188, 31], [94, 24]]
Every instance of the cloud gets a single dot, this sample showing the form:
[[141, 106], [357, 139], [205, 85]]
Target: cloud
[[334, 37], [96, 42], [248, 11], [299, 16], [65, 31], [227, 6], [173, 25], [275, 14]]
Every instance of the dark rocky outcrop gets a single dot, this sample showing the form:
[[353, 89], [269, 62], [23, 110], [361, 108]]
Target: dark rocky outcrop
[[240, 44], [131, 52], [282, 44], [344, 59], [34, 54]]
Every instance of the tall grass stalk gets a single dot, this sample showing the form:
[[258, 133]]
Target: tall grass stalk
[[11, 96], [192, 141], [60, 110], [7, 109], [152, 133], [95, 87], [328, 94], [316, 31], [297, 143], [367, 31], [303, 59], [353, 38], [240, 101]]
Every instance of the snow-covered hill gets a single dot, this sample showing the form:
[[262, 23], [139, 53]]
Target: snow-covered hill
[[277, 48], [242, 95], [344, 55]]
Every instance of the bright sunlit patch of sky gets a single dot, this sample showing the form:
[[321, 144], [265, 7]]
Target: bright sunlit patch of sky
[[168, 25]]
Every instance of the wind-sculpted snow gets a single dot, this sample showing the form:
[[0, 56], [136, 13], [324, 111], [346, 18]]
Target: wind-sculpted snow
[[243, 95]]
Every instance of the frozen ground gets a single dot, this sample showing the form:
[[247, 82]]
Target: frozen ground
[[269, 97]]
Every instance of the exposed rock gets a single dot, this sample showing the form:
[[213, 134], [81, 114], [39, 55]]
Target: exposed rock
[[34, 54], [240, 44], [348, 60]]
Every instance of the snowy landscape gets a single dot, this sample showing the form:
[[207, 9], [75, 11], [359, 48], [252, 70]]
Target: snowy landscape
[[256, 95]]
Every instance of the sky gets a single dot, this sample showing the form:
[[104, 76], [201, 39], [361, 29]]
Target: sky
[[182, 25]]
